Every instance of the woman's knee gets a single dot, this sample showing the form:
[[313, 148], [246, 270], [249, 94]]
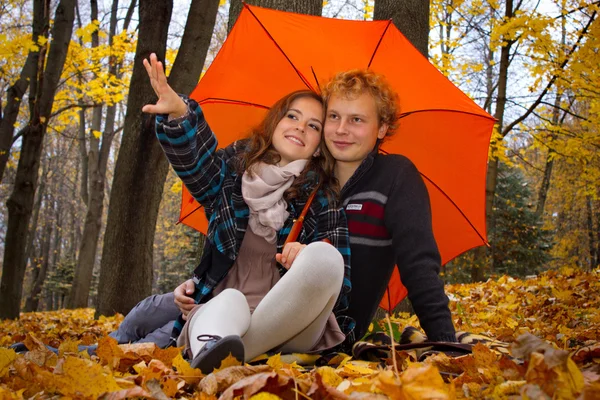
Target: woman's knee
[[232, 297], [322, 261]]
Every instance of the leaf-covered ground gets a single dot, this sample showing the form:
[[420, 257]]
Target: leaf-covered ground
[[551, 322]]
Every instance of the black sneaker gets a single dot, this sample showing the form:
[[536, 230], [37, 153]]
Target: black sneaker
[[215, 350]]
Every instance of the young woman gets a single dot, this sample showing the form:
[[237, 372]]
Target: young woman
[[252, 191]]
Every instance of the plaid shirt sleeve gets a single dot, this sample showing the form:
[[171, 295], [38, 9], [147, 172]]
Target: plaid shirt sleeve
[[332, 225], [191, 148]]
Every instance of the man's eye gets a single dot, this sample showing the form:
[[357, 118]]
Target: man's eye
[[356, 119], [333, 116]]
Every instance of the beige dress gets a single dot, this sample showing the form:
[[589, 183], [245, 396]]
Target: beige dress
[[254, 273]]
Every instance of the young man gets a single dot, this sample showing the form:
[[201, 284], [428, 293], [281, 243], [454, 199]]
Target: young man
[[386, 203], [388, 213]]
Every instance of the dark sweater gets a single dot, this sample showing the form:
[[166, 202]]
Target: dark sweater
[[389, 220]]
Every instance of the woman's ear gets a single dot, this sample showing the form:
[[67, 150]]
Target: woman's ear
[[382, 131]]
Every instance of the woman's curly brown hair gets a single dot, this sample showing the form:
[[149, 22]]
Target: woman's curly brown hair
[[260, 149]]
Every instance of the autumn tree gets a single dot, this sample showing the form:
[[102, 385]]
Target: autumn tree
[[13, 48], [95, 162], [44, 81], [141, 168]]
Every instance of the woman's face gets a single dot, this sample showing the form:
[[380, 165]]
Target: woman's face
[[298, 134]]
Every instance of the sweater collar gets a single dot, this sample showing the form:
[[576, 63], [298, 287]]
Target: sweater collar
[[360, 171]]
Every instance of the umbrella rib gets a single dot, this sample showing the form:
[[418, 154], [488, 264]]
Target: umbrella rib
[[238, 102], [190, 213], [452, 202], [379, 43], [403, 115], [457, 207], [302, 77]]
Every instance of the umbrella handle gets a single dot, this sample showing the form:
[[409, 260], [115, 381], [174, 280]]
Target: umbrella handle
[[297, 227]]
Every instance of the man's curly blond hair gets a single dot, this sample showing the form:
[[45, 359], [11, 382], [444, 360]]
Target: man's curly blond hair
[[351, 84]]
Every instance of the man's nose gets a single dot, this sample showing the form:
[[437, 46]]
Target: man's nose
[[342, 127]]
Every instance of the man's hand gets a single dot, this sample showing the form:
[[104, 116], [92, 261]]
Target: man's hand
[[289, 254], [182, 299], [168, 101]]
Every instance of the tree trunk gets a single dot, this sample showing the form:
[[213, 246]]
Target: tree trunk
[[492, 172], [37, 206], [543, 192], [96, 165], [310, 7], [32, 302], [16, 92], [411, 17], [20, 201], [141, 168]]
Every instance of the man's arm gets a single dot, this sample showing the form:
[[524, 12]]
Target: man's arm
[[408, 218]]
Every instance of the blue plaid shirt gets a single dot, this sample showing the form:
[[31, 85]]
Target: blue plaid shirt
[[212, 178]]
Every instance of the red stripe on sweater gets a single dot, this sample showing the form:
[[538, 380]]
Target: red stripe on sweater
[[367, 229]]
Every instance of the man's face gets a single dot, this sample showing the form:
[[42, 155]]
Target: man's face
[[352, 128]]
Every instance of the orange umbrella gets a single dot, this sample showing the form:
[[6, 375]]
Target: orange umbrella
[[269, 54]]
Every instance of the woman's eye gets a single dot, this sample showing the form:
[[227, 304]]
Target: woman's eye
[[315, 127], [292, 116]]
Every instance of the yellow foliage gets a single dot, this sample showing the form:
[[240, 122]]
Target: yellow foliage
[[7, 356]]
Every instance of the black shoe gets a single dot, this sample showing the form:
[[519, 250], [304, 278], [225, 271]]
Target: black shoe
[[216, 350], [19, 348]]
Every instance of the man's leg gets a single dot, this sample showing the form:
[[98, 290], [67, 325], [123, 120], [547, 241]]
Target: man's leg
[[297, 307], [151, 320]]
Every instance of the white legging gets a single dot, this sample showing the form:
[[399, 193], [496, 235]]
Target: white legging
[[293, 314]]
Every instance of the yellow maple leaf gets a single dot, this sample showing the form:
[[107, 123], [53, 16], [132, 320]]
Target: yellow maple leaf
[[329, 376], [275, 361], [68, 346], [265, 396], [424, 382], [185, 370], [7, 356], [83, 378], [229, 361]]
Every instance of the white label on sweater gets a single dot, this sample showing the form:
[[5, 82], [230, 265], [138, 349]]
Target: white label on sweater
[[356, 207]]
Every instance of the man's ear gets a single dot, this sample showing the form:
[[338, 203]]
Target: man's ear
[[382, 131]]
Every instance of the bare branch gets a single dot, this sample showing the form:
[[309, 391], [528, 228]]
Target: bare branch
[[510, 126]]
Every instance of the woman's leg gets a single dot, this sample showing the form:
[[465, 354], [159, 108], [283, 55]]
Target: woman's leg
[[224, 315], [298, 306], [151, 320]]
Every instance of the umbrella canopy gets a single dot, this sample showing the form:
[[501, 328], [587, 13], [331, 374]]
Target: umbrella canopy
[[269, 54]]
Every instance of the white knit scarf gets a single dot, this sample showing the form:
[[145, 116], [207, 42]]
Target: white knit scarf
[[263, 192]]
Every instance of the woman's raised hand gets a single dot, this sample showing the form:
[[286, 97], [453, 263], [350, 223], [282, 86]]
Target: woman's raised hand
[[168, 101]]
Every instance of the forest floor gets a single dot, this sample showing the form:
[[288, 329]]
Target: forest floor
[[550, 325]]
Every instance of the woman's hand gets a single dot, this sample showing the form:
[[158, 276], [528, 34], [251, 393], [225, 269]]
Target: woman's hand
[[289, 254], [168, 101], [183, 301]]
